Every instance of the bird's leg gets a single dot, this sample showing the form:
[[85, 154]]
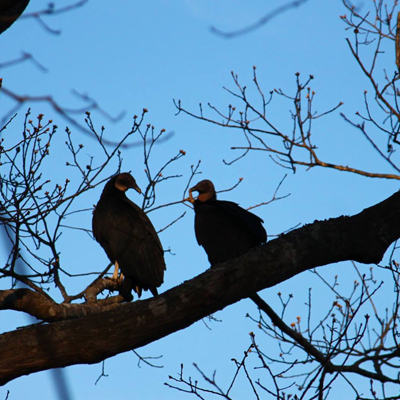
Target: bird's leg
[[115, 274]]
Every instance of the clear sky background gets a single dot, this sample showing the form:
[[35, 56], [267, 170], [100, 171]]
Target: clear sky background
[[133, 55]]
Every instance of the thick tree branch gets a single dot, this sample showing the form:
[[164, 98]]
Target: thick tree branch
[[363, 238]]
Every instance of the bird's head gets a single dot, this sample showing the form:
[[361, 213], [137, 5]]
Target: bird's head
[[205, 189], [125, 181]]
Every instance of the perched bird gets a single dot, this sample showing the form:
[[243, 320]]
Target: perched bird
[[128, 238], [224, 229]]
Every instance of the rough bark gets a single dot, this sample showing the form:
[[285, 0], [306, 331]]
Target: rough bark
[[363, 238]]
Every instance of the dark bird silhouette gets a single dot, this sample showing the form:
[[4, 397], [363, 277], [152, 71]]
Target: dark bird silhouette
[[128, 238], [224, 229]]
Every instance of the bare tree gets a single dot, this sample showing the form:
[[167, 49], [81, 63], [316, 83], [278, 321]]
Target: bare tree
[[355, 336], [299, 147], [344, 342], [34, 212]]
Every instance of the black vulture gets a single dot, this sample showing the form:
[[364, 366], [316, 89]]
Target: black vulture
[[128, 238], [224, 229]]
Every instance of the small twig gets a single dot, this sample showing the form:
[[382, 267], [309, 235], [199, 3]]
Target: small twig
[[102, 372], [264, 20]]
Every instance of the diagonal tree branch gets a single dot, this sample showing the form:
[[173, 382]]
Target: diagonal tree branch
[[297, 336], [363, 238]]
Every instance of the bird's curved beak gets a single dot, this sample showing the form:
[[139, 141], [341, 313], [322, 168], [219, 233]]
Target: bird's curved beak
[[133, 185], [194, 188]]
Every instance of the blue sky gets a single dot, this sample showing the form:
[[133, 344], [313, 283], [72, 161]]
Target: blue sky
[[134, 55]]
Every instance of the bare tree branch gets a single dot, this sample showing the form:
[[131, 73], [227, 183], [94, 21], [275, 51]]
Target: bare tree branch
[[261, 22]]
